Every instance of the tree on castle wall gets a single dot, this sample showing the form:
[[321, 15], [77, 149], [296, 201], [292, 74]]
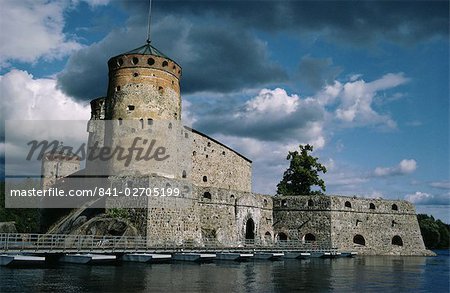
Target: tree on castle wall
[[302, 174]]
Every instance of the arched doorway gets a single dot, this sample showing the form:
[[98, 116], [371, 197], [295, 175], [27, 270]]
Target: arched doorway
[[250, 229]]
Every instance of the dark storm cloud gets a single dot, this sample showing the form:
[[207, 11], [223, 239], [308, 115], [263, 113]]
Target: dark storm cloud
[[216, 58], [317, 72], [216, 42], [354, 21]]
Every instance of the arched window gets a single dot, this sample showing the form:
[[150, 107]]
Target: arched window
[[265, 202], [310, 203], [348, 204], [183, 175], [359, 239], [397, 240], [149, 121], [164, 64], [268, 236], [120, 121], [394, 207], [309, 237], [207, 195], [142, 122], [284, 203], [120, 61], [205, 179], [372, 206], [282, 236]]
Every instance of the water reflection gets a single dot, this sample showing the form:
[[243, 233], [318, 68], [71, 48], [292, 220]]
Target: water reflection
[[406, 274]]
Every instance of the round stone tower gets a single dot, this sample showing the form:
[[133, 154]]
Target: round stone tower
[[143, 84]]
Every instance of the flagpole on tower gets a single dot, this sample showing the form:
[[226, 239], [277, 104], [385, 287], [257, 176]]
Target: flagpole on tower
[[149, 40]]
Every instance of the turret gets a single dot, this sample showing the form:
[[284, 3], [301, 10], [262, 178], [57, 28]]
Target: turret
[[143, 84]]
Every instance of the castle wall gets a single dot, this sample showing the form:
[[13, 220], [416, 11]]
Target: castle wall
[[224, 214], [214, 164], [56, 166], [368, 226], [302, 218], [378, 222]]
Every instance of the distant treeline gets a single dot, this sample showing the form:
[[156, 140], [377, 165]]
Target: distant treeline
[[435, 233], [27, 220]]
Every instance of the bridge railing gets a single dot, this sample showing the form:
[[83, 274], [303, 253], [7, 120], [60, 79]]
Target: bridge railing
[[63, 242]]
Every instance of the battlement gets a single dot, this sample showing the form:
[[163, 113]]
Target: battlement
[[344, 204]]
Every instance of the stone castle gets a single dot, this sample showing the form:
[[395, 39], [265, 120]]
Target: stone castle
[[217, 201]]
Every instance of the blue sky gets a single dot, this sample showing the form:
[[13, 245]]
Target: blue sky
[[365, 82]]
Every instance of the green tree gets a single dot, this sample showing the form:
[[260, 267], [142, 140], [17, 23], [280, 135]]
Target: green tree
[[435, 233], [302, 174]]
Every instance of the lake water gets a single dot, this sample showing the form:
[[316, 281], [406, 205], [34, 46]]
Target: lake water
[[359, 274]]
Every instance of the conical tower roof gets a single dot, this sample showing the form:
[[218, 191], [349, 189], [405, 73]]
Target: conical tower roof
[[147, 49]]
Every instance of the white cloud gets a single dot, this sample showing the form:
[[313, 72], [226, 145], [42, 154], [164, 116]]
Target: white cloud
[[423, 198], [355, 99], [26, 98], [37, 100], [33, 29], [441, 184], [275, 102], [406, 166]]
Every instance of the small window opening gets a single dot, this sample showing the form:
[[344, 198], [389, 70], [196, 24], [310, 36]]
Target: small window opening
[[130, 107], [164, 64], [135, 60], [149, 121], [184, 175], [150, 61], [205, 179], [397, 240], [359, 239], [348, 204], [207, 195], [394, 207], [372, 206]]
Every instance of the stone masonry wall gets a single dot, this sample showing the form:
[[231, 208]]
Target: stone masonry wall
[[224, 214], [214, 164], [304, 218], [376, 222], [368, 226]]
